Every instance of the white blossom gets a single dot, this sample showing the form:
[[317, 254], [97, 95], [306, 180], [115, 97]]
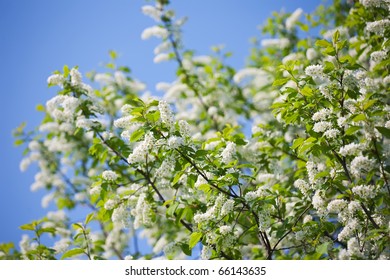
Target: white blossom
[[354, 247], [337, 205], [141, 212], [322, 126], [365, 191], [75, 77], [315, 71], [373, 3], [322, 114], [229, 152], [154, 31], [303, 186], [139, 154], [166, 113], [378, 56], [348, 230], [359, 164], [184, 128], [350, 149], [152, 12], [110, 204], [280, 43], [311, 54], [378, 27], [175, 142], [225, 229], [161, 57], [307, 219], [331, 133], [227, 207], [293, 18], [56, 79], [121, 215], [109, 175], [206, 253]]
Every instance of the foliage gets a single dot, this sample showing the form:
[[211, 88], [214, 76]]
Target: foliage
[[287, 158]]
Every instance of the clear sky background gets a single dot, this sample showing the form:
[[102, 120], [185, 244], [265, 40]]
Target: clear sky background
[[40, 36]]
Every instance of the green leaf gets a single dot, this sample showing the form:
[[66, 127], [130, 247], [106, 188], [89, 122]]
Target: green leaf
[[307, 91], [113, 54], [323, 43], [18, 142], [137, 135], [77, 226], [297, 142], [89, 218], [280, 82], [27, 227], [186, 249], [322, 249], [72, 252], [360, 117], [384, 131], [172, 208], [40, 108], [194, 239], [336, 37], [351, 130], [66, 70]]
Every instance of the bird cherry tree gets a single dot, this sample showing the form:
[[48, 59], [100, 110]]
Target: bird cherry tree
[[287, 158]]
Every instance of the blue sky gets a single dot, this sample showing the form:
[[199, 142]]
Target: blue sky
[[38, 37]]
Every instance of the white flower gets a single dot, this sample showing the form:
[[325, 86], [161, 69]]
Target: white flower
[[350, 149], [206, 253], [166, 113], [322, 126], [109, 175], [378, 56], [325, 91], [184, 128], [281, 43], [303, 186], [56, 79], [154, 31], [318, 202], [225, 229], [121, 215], [373, 3], [353, 247], [378, 27], [227, 207], [174, 142], [124, 122], [337, 205], [161, 57], [229, 152], [139, 154], [141, 212], [293, 18], [360, 163], [95, 190], [365, 191], [163, 47], [315, 71], [311, 54], [110, 204], [152, 12], [307, 218], [322, 114], [331, 133], [341, 121], [75, 77]]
